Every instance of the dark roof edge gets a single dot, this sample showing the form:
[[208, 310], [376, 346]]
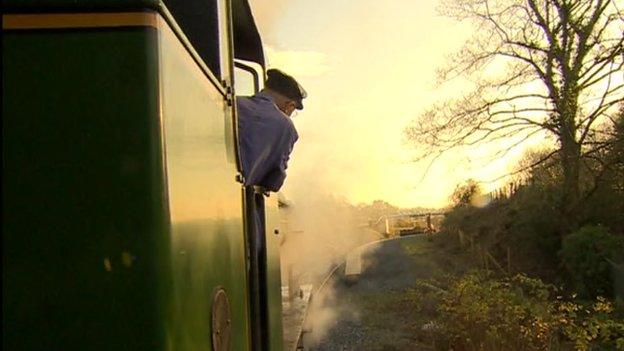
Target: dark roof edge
[[247, 41]]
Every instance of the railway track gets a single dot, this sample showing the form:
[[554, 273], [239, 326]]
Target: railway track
[[348, 312]]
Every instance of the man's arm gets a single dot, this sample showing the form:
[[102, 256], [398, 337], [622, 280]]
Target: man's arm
[[274, 179]]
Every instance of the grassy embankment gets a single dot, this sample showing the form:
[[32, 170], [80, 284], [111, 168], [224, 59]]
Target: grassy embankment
[[454, 304]]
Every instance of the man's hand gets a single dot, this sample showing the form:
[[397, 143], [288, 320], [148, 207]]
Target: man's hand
[[261, 190]]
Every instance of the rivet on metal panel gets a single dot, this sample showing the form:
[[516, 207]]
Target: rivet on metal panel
[[126, 259], [107, 264]]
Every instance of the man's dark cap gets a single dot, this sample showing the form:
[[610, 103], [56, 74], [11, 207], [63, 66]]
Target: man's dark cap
[[286, 85]]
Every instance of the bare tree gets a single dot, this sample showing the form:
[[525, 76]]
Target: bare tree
[[561, 64]]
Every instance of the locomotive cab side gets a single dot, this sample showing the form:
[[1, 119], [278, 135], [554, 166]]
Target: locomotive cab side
[[124, 225]]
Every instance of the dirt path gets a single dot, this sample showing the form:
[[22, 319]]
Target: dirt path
[[376, 310]]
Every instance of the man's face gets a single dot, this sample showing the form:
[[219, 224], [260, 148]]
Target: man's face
[[288, 108]]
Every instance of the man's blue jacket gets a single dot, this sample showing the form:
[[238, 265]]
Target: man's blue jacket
[[266, 138]]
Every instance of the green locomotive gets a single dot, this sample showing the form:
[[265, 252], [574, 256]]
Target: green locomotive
[[124, 217]]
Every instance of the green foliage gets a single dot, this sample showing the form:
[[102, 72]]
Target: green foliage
[[606, 179], [529, 223], [526, 224], [592, 327], [523, 231], [534, 231], [485, 314], [588, 255], [478, 312]]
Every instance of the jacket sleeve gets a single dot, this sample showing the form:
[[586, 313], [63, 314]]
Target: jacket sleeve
[[275, 178]]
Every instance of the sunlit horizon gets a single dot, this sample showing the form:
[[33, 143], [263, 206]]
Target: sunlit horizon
[[370, 69]]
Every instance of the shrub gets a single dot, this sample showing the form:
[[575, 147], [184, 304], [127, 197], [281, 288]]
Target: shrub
[[591, 326], [485, 314], [478, 313], [588, 255], [467, 193]]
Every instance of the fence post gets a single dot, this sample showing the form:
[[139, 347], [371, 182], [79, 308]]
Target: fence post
[[485, 259], [471, 245], [491, 258], [508, 260]]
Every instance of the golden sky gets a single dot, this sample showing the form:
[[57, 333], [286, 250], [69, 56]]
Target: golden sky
[[369, 69]]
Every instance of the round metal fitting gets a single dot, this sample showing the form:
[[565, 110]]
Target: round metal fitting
[[221, 321]]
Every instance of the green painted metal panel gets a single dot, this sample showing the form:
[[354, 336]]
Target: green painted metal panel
[[274, 279], [207, 238], [122, 215], [85, 231]]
